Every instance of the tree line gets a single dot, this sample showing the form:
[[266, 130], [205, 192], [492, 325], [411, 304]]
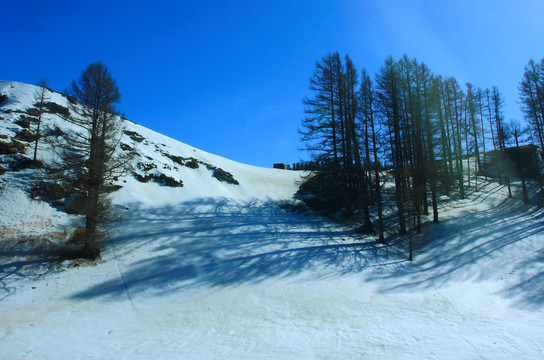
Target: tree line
[[424, 128]]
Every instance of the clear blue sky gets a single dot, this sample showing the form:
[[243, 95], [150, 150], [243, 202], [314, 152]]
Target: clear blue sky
[[228, 77]]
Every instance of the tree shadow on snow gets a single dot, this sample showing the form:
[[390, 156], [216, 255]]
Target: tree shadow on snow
[[451, 252], [218, 243], [30, 257], [528, 289]]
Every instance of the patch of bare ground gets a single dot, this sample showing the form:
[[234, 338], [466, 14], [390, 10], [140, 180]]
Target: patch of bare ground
[[26, 254]]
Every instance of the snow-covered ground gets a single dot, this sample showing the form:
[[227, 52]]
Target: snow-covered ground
[[220, 271]]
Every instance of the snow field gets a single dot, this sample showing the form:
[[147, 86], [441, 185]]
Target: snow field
[[217, 282]]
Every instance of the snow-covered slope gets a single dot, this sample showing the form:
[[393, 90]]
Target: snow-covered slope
[[156, 155], [214, 270]]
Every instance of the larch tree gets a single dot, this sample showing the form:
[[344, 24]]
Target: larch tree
[[517, 132], [430, 132], [330, 133], [91, 163], [472, 112], [480, 95], [388, 104], [40, 96], [531, 93], [366, 111], [319, 131], [356, 178], [423, 126], [497, 102]]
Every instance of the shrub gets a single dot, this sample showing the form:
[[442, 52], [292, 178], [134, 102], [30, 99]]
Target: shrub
[[72, 100], [134, 136], [146, 166], [2, 171], [18, 146], [26, 136], [225, 176], [177, 159], [143, 178], [13, 147], [54, 132], [319, 192], [167, 181], [113, 188], [125, 147], [159, 179], [24, 162], [54, 108], [77, 237], [75, 204], [3, 97], [74, 248], [32, 112], [522, 160], [192, 164], [24, 121], [49, 191]]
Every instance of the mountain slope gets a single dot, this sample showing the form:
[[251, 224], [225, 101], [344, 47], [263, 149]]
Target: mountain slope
[[217, 270], [157, 158]]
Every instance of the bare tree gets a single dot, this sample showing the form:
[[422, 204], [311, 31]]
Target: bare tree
[[366, 110], [531, 93], [517, 131], [41, 96], [388, 104], [497, 102], [320, 129], [471, 111]]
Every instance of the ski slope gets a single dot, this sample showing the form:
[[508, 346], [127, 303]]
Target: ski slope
[[220, 271]]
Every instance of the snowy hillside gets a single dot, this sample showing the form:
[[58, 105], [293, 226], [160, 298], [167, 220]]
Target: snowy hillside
[[191, 173], [219, 270]]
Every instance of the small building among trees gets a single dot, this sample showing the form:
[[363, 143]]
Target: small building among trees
[[282, 166]]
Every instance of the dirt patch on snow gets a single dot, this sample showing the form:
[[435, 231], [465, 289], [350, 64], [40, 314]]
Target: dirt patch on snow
[[35, 255]]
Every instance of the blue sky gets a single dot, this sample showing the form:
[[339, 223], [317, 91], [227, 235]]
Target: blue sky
[[228, 77]]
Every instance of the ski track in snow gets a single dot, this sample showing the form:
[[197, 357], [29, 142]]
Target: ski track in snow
[[217, 271]]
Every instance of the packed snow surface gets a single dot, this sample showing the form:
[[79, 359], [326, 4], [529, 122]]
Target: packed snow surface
[[220, 271]]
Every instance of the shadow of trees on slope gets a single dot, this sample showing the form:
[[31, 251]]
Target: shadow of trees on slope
[[452, 250], [218, 242], [528, 289], [30, 257]]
